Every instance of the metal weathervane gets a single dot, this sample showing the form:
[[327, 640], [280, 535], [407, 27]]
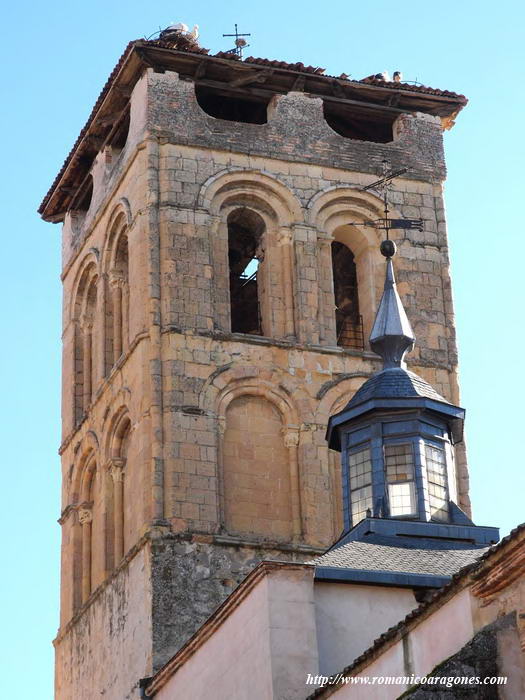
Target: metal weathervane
[[386, 223], [240, 43]]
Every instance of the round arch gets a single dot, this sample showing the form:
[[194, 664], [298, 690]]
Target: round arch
[[279, 209], [88, 270], [88, 449], [271, 393], [117, 432], [342, 198], [118, 224], [87, 472], [334, 395], [337, 213], [238, 475], [236, 181]]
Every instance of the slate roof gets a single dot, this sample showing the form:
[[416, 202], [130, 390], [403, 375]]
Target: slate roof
[[433, 601], [394, 382], [387, 554]]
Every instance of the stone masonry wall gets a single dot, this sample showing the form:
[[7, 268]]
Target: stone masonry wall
[[192, 576], [180, 175], [296, 130]]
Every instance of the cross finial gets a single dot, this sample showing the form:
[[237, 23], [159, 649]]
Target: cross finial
[[240, 42]]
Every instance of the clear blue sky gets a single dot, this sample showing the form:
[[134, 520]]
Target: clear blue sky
[[56, 59]]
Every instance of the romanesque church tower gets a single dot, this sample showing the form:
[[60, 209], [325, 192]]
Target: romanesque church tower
[[220, 273]]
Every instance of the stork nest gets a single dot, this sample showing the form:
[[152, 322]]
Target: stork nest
[[182, 42]]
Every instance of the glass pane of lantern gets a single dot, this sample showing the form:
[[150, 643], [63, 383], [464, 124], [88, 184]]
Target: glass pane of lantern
[[360, 472], [437, 482], [399, 466]]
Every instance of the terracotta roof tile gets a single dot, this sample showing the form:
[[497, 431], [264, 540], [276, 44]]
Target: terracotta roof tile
[[84, 130], [188, 47], [300, 67], [413, 88]]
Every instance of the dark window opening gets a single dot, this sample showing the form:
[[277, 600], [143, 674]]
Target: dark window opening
[[83, 199], [345, 122], [245, 253], [248, 108], [120, 135], [348, 321]]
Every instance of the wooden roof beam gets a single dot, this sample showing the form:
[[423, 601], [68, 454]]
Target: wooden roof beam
[[254, 77]]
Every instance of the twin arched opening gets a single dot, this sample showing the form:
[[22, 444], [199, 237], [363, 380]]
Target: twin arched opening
[[117, 296], [274, 265], [100, 314], [85, 309], [101, 534]]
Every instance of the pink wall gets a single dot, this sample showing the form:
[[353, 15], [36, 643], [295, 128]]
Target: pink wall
[[263, 649], [437, 637], [351, 616]]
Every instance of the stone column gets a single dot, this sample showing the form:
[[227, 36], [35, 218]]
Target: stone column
[[327, 325], [125, 314], [285, 243], [221, 431], [291, 441], [116, 283], [85, 517], [100, 328], [87, 364], [116, 469], [219, 272], [307, 284]]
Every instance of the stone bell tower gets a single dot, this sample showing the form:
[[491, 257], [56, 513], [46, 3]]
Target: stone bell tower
[[220, 279]]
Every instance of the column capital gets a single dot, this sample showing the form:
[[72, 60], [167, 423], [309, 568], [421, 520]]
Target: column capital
[[291, 437], [285, 236], [116, 468], [116, 279], [86, 322], [85, 513]]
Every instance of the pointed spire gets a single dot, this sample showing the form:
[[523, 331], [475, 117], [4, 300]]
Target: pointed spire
[[392, 335]]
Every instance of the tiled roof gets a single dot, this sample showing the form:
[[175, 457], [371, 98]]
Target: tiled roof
[[84, 131], [408, 86], [300, 67], [433, 600], [394, 383], [191, 48], [381, 553]]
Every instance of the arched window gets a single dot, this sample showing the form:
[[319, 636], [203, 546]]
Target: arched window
[[349, 324], [118, 138], [119, 500], [82, 200], [117, 305], [245, 259], [256, 470], [85, 310], [80, 205]]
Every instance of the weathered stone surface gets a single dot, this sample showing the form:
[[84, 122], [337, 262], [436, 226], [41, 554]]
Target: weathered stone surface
[[181, 370], [478, 659], [191, 578]]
